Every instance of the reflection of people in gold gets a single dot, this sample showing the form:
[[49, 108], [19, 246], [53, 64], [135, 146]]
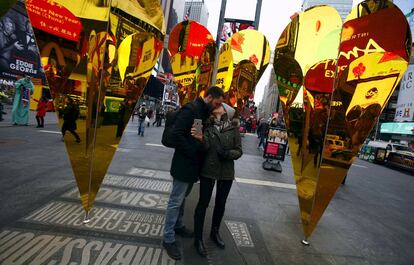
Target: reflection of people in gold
[[70, 115]]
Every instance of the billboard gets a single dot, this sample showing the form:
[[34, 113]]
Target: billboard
[[405, 103], [19, 54]]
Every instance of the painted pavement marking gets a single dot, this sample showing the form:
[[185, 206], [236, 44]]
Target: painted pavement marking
[[155, 145], [123, 150], [35, 247], [125, 198], [240, 233], [360, 166], [46, 131], [104, 219], [137, 183], [149, 173], [266, 183]]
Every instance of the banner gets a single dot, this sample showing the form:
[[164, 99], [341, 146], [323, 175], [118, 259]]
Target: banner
[[405, 108], [19, 55]]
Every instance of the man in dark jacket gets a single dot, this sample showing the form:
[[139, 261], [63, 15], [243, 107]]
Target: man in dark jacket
[[186, 164], [262, 130]]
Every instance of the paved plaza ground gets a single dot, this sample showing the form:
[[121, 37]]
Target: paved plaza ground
[[370, 221]]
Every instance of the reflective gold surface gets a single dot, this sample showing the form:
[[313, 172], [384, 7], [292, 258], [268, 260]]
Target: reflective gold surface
[[373, 55], [305, 68], [96, 83], [148, 12], [243, 59], [192, 53]]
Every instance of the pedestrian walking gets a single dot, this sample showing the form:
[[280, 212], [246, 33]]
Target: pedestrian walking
[[157, 117], [150, 115], [186, 163], [70, 115], [262, 131], [41, 111], [142, 114], [223, 144]]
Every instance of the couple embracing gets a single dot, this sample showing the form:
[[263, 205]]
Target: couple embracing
[[206, 154]]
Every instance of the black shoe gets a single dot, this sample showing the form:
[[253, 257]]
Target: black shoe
[[201, 249], [215, 236], [172, 250], [184, 232], [78, 140]]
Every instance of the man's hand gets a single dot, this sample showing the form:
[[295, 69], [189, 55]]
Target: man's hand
[[196, 134]]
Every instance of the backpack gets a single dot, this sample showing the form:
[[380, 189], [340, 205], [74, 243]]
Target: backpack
[[167, 136]]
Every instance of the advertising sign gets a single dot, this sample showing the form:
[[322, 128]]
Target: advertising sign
[[276, 144], [397, 127], [19, 55], [405, 108], [54, 19]]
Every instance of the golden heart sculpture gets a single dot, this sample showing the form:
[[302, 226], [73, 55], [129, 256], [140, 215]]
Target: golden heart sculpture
[[97, 60], [332, 99], [241, 62]]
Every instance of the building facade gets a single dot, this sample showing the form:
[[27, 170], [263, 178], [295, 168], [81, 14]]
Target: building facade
[[342, 6], [197, 10], [270, 99]]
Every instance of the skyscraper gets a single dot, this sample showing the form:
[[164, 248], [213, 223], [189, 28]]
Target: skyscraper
[[342, 6], [196, 10]]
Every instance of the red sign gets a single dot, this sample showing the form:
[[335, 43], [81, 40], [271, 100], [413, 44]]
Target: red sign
[[272, 148], [53, 18], [320, 77]]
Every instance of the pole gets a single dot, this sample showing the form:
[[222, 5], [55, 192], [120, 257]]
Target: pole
[[257, 16], [219, 29], [221, 21]]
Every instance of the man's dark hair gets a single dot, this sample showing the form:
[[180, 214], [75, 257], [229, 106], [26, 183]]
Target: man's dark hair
[[215, 92]]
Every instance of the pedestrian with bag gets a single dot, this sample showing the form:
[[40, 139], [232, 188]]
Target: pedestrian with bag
[[222, 143], [186, 133]]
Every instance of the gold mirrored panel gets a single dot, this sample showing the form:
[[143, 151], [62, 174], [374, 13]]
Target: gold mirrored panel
[[305, 68], [243, 59], [373, 56], [96, 71], [192, 53]]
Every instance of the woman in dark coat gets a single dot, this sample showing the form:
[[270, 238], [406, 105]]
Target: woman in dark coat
[[222, 144]]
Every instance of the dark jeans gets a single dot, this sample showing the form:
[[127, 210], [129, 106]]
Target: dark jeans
[[206, 190], [262, 140], [40, 121]]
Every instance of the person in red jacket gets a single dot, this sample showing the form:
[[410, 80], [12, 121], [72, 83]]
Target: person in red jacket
[[41, 112]]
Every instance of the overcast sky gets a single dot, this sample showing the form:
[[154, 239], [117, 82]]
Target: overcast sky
[[274, 17]]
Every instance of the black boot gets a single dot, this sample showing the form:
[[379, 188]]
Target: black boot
[[201, 249], [172, 250], [215, 236]]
